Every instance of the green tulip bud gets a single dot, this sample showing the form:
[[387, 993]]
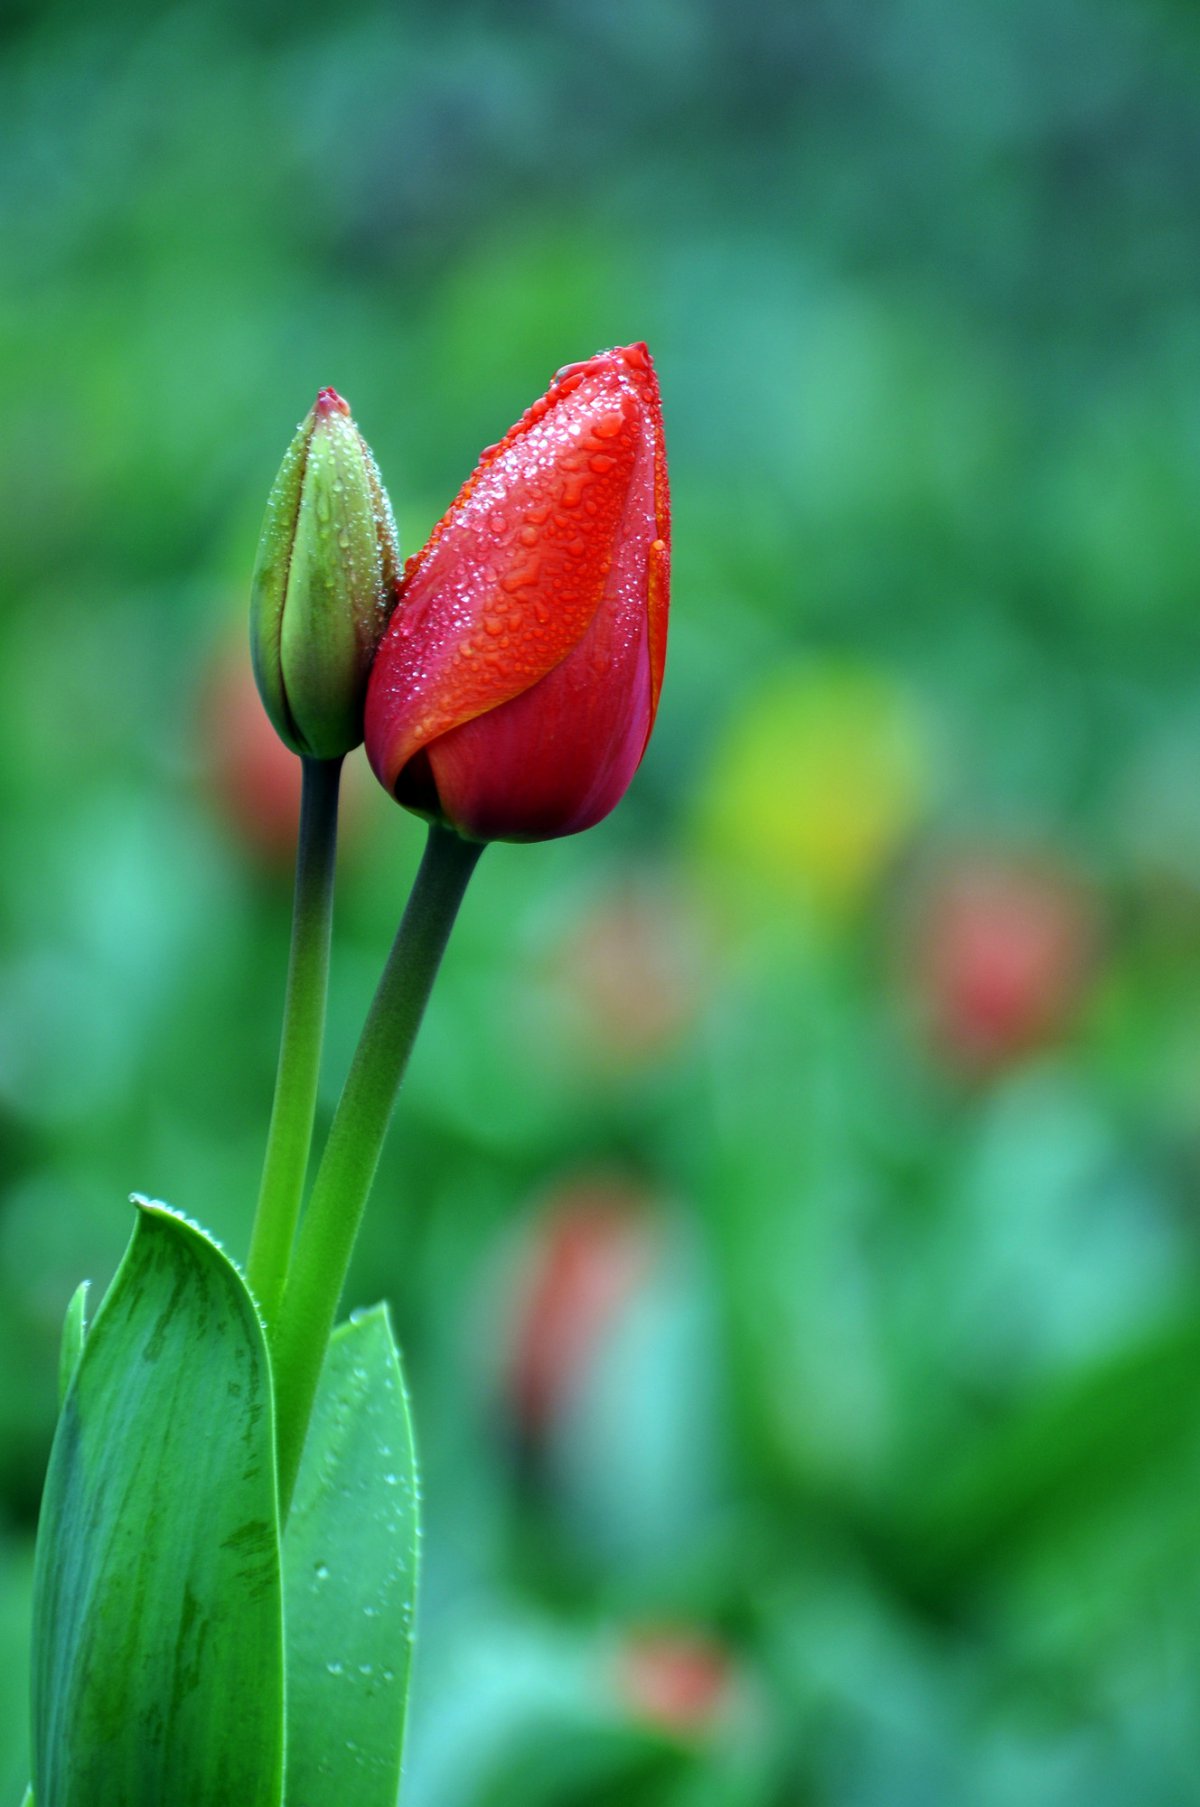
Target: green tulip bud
[[324, 585]]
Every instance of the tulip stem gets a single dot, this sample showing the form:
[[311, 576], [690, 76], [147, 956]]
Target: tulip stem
[[356, 1136], [290, 1135]]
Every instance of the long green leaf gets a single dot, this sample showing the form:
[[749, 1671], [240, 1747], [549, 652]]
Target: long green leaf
[[157, 1649], [350, 1560]]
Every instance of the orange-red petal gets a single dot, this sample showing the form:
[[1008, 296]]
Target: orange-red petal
[[538, 542]]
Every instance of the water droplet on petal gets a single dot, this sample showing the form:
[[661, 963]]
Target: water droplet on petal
[[516, 580]]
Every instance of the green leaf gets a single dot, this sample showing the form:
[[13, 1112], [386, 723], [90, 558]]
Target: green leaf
[[350, 1567], [73, 1331], [158, 1636], [1055, 1460]]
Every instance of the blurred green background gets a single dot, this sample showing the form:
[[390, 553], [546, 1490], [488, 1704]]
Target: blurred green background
[[791, 1216]]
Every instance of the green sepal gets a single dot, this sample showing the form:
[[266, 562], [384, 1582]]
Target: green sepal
[[158, 1621], [73, 1332], [350, 1569]]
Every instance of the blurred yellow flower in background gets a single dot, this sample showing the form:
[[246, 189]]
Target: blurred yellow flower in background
[[818, 781]]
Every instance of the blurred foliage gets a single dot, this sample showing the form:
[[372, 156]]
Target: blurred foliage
[[893, 1410]]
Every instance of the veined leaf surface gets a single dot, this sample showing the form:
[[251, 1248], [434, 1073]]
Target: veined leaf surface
[[158, 1626]]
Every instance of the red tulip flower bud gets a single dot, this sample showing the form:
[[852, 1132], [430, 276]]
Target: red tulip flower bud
[[514, 692]]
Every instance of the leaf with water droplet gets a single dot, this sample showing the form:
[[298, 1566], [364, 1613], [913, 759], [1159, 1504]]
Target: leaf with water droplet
[[350, 1564]]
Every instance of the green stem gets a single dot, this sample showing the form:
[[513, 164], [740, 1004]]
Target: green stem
[[290, 1134], [347, 1169]]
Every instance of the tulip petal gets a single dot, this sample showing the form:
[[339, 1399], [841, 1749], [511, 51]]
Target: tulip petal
[[557, 758], [533, 550]]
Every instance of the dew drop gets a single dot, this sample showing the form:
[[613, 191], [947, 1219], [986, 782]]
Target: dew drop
[[601, 463], [516, 580], [529, 536]]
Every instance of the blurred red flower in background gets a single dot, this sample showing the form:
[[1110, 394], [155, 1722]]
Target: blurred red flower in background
[[251, 777], [681, 1681], [1001, 952], [584, 1256], [634, 972]]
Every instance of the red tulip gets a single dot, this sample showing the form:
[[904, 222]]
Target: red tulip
[[249, 772], [1002, 952], [681, 1681], [251, 777], [631, 974], [514, 692], [585, 1257]]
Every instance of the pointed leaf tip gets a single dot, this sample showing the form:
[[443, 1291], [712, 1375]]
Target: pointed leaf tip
[[158, 1626], [350, 1558]]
